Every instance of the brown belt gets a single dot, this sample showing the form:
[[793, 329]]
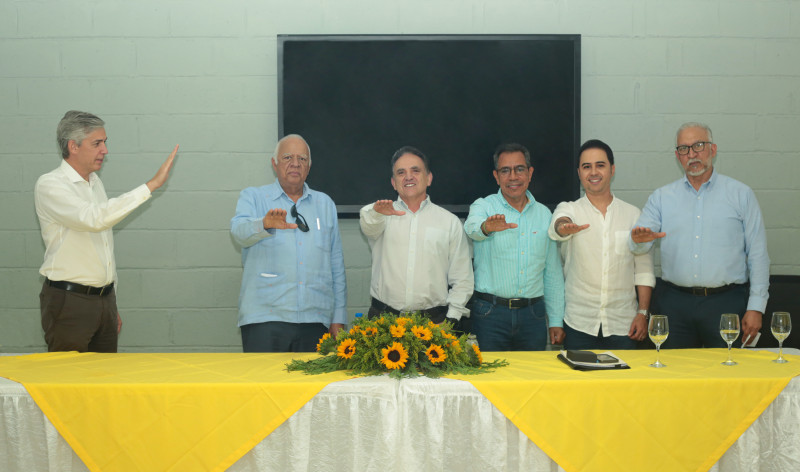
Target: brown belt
[[510, 303], [702, 291]]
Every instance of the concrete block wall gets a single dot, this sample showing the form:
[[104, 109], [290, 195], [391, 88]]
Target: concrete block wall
[[202, 73]]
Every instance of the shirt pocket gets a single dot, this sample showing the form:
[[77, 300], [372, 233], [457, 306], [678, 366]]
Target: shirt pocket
[[621, 243], [436, 241], [322, 236]]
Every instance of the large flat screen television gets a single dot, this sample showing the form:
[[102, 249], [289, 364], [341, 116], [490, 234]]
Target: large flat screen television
[[357, 99]]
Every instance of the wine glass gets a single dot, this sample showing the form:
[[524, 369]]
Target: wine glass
[[729, 330], [658, 331], [781, 327]]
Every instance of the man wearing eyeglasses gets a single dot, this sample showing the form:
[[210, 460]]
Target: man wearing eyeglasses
[[420, 254], [714, 248], [293, 283], [519, 283]]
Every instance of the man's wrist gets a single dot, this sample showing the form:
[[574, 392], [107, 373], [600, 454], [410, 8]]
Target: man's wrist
[[643, 312]]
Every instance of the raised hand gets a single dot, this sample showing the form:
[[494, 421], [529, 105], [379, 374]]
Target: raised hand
[[163, 172], [565, 227], [645, 235], [276, 218], [496, 223], [386, 207]]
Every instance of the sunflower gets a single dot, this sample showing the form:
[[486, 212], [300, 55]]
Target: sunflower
[[436, 354], [347, 348], [455, 345], [369, 331], [397, 331], [478, 353], [402, 320], [322, 340], [394, 356], [422, 333]]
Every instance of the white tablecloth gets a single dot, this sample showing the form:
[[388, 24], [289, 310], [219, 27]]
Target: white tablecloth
[[376, 423]]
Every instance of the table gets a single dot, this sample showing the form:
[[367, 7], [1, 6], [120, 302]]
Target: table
[[376, 423]]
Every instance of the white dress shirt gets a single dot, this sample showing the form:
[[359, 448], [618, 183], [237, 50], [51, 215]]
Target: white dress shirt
[[76, 218], [601, 271], [417, 256]]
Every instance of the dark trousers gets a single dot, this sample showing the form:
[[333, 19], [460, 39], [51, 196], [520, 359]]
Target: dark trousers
[[77, 322], [279, 336], [436, 314], [576, 340], [693, 319]]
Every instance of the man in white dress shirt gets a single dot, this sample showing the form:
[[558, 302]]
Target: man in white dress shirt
[[603, 277], [420, 253], [78, 302]]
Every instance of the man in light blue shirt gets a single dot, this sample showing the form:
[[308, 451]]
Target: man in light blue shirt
[[293, 284], [519, 283], [714, 248]]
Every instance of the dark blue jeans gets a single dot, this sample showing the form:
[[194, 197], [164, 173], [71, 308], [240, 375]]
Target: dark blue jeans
[[279, 336], [694, 320], [500, 328], [575, 340]]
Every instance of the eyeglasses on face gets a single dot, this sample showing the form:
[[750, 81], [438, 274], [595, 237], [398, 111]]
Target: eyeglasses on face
[[299, 220], [696, 147], [506, 171]]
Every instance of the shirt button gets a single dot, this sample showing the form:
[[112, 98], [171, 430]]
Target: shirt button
[[698, 217], [697, 237], [695, 256]]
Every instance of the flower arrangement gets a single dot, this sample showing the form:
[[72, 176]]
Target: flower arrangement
[[404, 346]]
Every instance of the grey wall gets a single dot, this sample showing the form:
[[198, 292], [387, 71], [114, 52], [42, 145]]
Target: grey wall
[[202, 73]]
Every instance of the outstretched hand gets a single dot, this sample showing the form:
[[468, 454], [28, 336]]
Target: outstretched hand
[[645, 235], [496, 223], [163, 172], [276, 218], [566, 229], [386, 207]]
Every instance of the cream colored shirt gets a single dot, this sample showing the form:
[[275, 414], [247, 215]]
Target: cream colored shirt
[[76, 218], [601, 271], [417, 256]]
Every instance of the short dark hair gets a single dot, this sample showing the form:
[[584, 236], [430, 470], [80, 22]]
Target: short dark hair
[[410, 150], [597, 144], [511, 147]]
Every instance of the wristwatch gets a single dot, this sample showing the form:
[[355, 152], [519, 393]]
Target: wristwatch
[[643, 312]]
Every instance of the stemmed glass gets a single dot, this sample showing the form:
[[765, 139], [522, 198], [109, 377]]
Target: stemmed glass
[[781, 327], [658, 331], [729, 330]]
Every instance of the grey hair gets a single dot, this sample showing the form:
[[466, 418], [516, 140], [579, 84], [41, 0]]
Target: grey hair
[[280, 141], [694, 124], [75, 126], [511, 147]]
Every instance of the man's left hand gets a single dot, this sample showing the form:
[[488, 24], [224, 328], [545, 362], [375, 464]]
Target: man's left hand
[[335, 328], [638, 329], [751, 324], [556, 335]]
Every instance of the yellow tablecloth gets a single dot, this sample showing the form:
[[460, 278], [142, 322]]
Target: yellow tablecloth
[[682, 417], [154, 412], [182, 412]]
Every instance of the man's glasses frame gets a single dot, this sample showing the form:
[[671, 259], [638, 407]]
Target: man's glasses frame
[[299, 220], [696, 147], [519, 170]]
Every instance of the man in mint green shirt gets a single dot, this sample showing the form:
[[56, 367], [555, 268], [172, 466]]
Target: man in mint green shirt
[[519, 283]]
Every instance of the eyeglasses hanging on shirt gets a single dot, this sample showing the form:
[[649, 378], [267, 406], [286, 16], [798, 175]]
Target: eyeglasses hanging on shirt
[[299, 220]]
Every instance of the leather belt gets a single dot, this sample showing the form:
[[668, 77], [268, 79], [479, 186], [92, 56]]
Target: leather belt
[[702, 291], [78, 288], [510, 303]]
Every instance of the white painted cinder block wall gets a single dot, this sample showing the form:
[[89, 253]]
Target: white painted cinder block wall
[[202, 73]]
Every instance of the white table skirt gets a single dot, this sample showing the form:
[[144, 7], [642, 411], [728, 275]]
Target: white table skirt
[[376, 423]]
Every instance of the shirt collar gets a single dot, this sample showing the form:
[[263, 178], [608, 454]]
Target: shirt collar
[[707, 183], [73, 174], [276, 191], [422, 205], [531, 200]]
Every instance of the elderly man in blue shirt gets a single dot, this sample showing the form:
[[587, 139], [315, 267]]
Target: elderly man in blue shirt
[[293, 285], [714, 248], [519, 282]]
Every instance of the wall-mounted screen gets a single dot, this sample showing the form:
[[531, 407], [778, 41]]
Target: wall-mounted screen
[[357, 99]]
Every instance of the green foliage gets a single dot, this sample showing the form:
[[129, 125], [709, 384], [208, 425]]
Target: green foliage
[[403, 346]]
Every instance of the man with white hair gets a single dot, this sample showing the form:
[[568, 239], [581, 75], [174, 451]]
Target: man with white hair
[[714, 248], [293, 284]]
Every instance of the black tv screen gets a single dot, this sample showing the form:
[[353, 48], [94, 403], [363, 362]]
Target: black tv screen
[[357, 99]]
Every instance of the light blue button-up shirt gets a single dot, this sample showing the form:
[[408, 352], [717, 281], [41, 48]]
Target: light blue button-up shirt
[[521, 262], [289, 275], [714, 236]]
